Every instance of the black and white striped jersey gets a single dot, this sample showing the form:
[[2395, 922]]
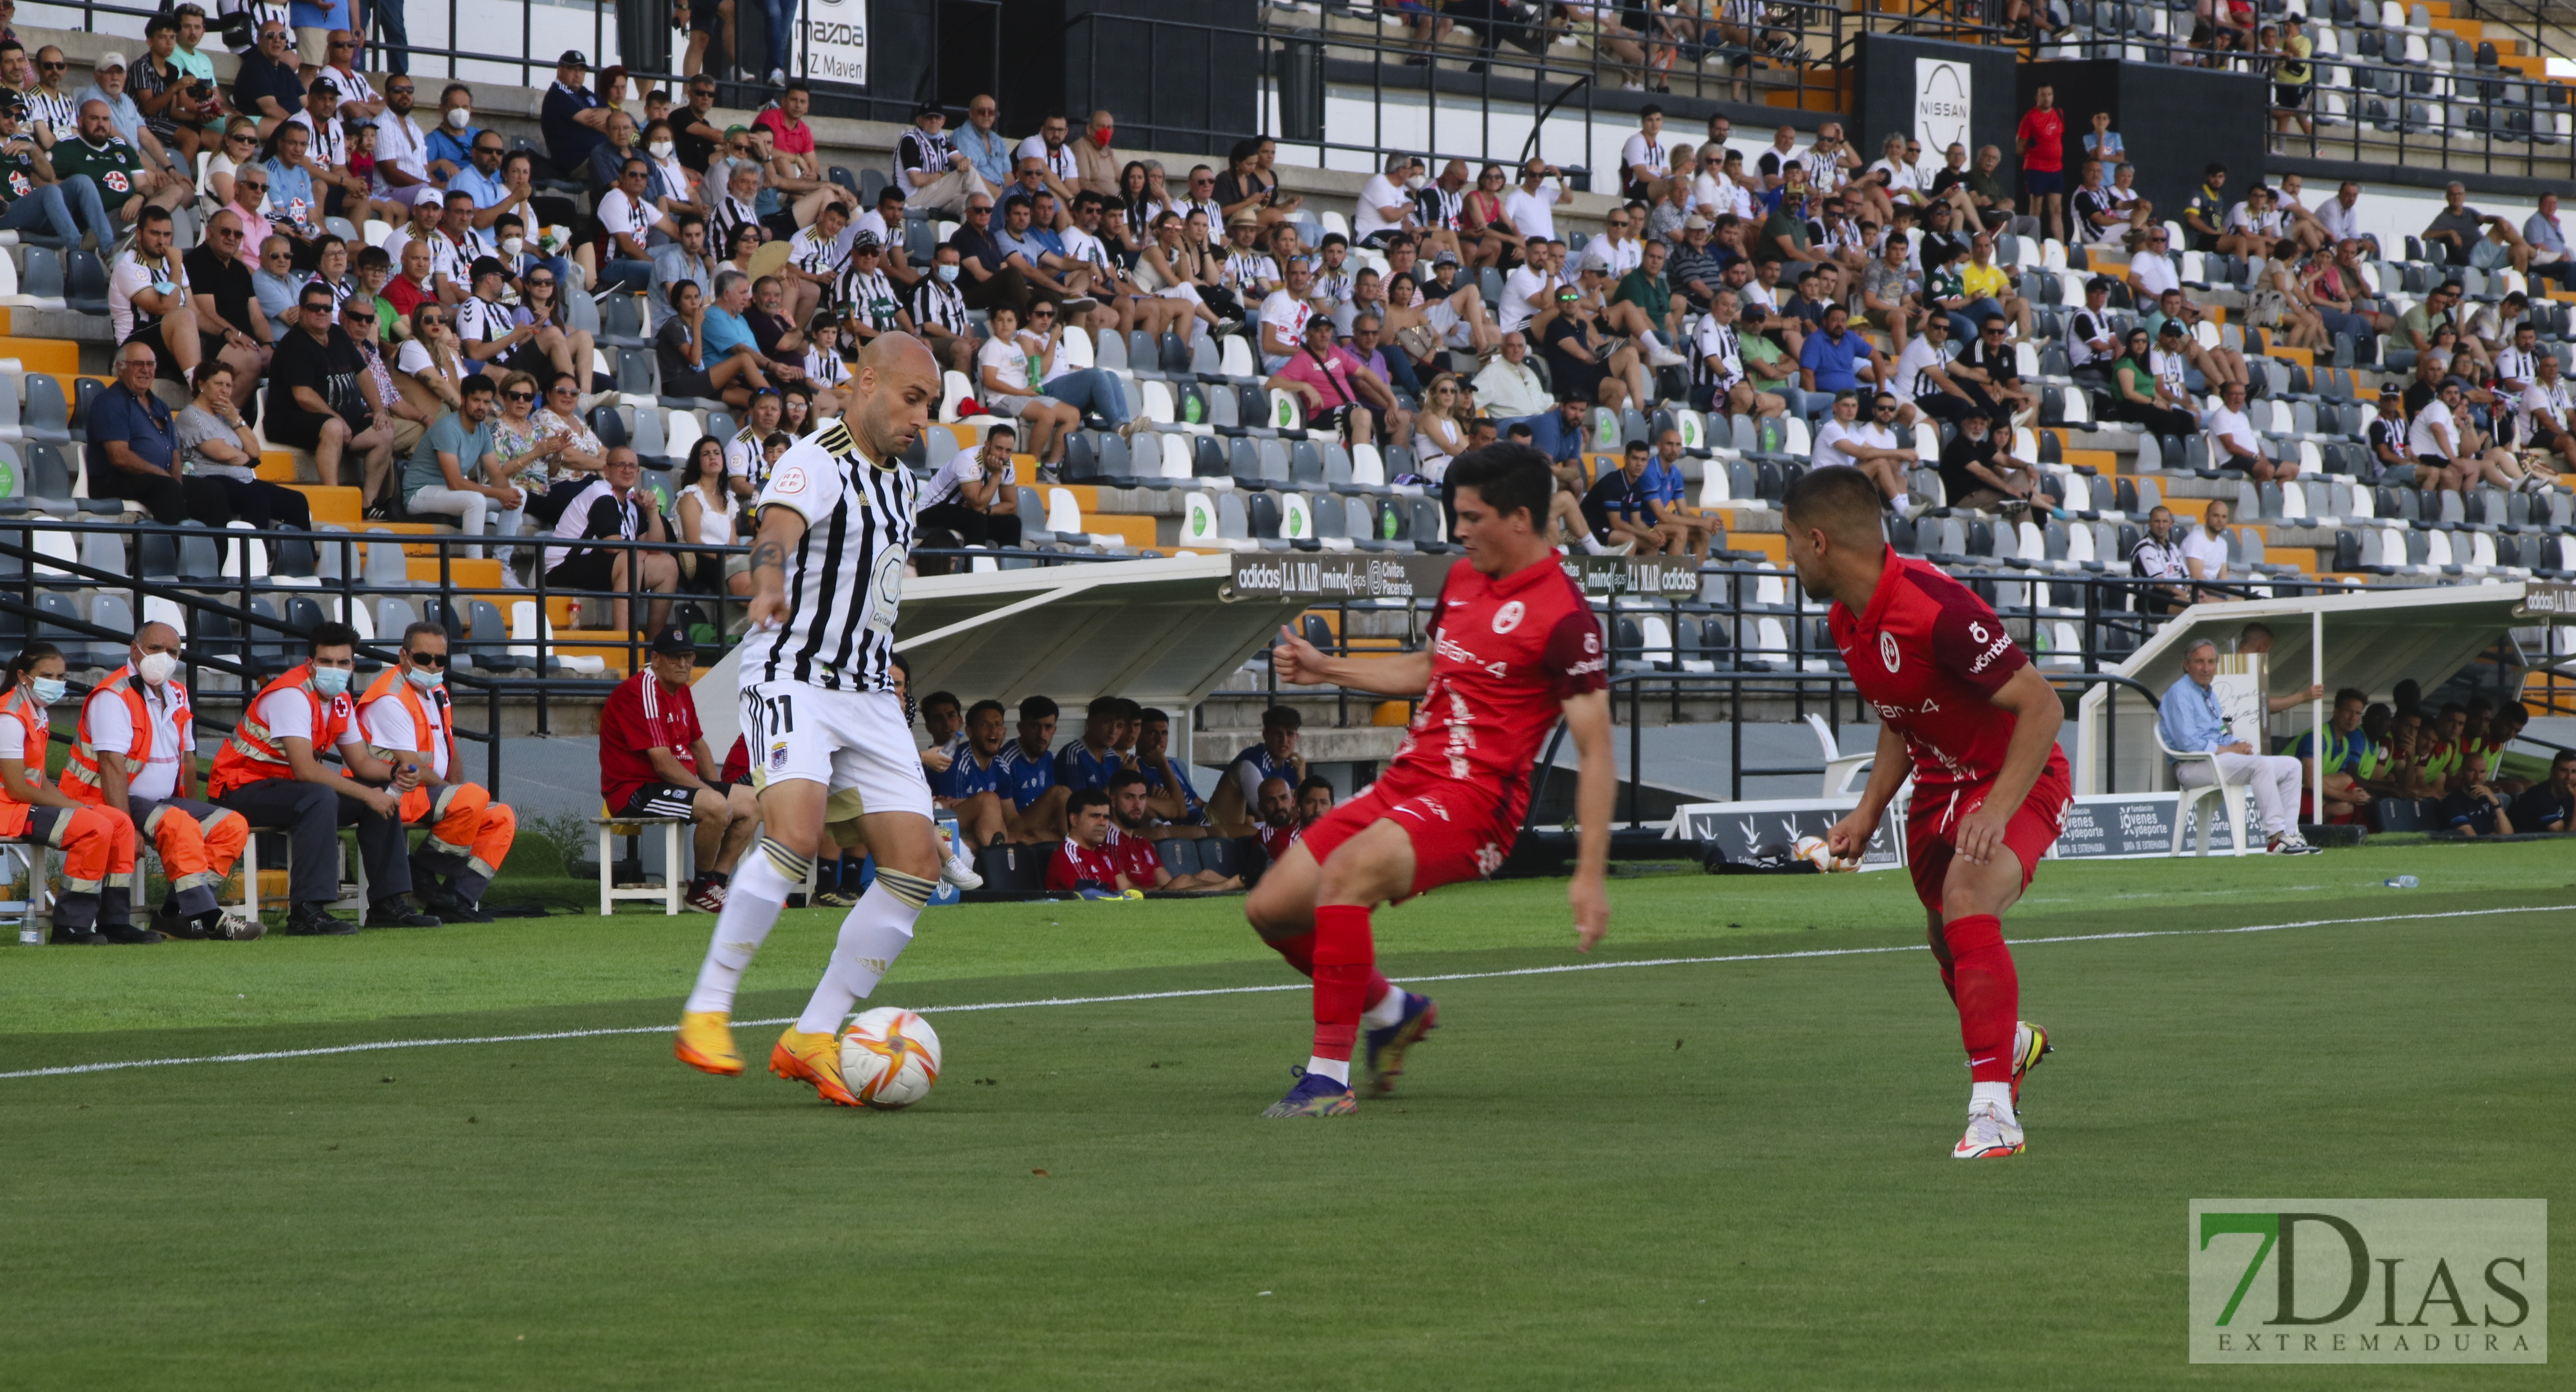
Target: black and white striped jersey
[[845, 578]]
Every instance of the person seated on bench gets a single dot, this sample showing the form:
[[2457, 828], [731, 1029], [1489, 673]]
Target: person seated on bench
[[654, 762], [97, 845], [1132, 841], [410, 724]]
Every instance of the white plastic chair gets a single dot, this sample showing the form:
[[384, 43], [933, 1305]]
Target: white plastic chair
[[2195, 803], [1840, 768]]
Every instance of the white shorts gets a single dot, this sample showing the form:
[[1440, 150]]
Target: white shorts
[[845, 740]]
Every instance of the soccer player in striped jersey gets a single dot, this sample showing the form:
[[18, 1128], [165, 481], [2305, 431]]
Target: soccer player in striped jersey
[[820, 714]]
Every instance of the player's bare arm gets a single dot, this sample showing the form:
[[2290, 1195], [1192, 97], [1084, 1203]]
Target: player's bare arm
[[1596, 790], [781, 529], [1888, 768], [1301, 662], [2032, 703]]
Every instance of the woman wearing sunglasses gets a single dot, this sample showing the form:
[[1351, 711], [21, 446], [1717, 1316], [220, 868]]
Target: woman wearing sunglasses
[[358, 320], [429, 369], [554, 346], [576, 454], [239, 146]]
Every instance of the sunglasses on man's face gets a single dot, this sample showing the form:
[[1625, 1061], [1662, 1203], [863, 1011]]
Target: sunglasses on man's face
[[318, 307], [426, 659], [52, 67]]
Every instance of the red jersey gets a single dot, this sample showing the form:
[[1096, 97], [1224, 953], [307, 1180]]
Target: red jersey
[[2045, 132], [644, 714], [1506, 652], [1929, 655], [1077, 866], [1136, 858], [1277, 840]]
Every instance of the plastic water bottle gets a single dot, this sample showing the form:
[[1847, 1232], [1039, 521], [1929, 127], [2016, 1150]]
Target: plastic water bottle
[[29, 935], [2401, 882]]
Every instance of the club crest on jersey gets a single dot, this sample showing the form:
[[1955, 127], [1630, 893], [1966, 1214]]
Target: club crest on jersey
[[1887, 651], [790, 479], [1508, 617], [778, 756]]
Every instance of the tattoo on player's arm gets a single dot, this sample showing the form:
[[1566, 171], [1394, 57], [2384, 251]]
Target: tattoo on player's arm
[[769, 555]]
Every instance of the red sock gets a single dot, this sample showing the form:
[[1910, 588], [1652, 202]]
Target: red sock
[[1988, 993], [1300, 952], [1345, 960]]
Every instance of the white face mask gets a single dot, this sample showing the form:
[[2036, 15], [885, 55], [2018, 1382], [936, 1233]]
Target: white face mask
[[661, 149], [460, 117], [155, 668], [426, 681], [1418, 182], [511, 245]]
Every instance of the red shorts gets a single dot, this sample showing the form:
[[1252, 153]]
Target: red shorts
[[1460, 831], [1934, 818]]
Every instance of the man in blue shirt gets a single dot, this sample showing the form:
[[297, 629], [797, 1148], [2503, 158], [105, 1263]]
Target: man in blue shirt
[[450, 147], [1834, 359], [1238, 793], [133, 449], [1619, 507], [972, 786], [480, 179], [1167, 780], [2190, 720], [574, 119], [1087, 762], [1558, 434], [984, 147], [1028, 775]]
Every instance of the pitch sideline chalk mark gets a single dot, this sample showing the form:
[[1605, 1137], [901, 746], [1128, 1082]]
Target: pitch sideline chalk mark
[[382, 1044]]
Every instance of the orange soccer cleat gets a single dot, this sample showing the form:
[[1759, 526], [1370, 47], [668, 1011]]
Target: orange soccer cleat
[[705, 1043], [812, 1058]]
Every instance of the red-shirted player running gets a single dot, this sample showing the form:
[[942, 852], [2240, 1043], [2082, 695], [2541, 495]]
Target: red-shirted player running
[[1966, 714], [1513, 646]]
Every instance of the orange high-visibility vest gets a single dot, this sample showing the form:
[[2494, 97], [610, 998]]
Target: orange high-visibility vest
[[390, 684], [253, 755], [21, 706], [80, 774]]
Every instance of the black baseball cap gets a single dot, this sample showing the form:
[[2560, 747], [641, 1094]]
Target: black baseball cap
[[671, 642], [928, 108], [573, 58]]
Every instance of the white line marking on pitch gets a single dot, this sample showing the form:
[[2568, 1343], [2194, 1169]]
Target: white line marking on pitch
[[1255, 990]]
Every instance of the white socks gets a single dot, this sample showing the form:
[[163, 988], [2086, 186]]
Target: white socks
[[751, 909], [1998, 1093], [1388, 1011], [1339, 1070], [877, 930]]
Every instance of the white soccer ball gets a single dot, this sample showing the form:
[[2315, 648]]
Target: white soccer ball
[[1811, 849], [890, 1058]]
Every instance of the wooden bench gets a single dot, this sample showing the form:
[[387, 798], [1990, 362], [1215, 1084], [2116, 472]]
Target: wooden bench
[[615, 826]]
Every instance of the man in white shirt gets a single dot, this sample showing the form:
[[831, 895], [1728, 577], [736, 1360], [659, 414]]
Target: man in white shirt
[[1531, 205], [144, 769], [426, 204], [2341, 216], [2233, 443], [402, 150], [1527, 286], [2433, 437], [358, 101], [1509, 388], [2547, 413], [1385, 206], [1645, 169], [1063, 172], [1618, 249], [1284, 316], [626, 215], [1868, 443], [328, 147], [815, 257]]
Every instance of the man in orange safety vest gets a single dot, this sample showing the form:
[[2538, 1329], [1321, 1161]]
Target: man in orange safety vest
[[408, 723]]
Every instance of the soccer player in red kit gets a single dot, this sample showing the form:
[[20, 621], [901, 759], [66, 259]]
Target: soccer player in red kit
[[1512, 647], [1966, 714]]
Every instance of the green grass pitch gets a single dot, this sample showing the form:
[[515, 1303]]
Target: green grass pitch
[[1722, 1174]]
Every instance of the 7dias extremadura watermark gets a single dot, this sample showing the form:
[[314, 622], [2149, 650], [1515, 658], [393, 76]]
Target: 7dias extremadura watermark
[[2369, 1281]]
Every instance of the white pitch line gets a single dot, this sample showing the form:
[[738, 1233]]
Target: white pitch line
[[1256, 990]]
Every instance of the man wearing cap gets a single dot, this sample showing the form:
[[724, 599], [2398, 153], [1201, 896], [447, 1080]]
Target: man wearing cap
[[574, 118], [108, 86], [328, 148], [935, 175], [266, 88], [2091, 340], [33, 196]]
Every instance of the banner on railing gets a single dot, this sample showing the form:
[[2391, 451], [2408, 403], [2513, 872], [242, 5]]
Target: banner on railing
[[835, 47], [2108, 826], [1749, 831], [1357, 575]]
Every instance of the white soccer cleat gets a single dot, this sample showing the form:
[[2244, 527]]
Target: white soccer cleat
[[960, 871], [1989, 1136], [2290, 843]]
